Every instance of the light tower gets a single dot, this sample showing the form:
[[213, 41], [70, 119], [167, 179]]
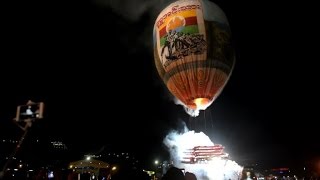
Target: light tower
[[25, 115]]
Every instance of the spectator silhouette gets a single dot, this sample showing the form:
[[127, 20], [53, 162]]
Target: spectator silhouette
[[173, 173], [190, 176]]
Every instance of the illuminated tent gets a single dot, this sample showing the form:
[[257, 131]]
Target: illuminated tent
[[193, 52]]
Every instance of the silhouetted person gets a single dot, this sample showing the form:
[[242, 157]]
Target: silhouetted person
[[173, 173], [190, 176]]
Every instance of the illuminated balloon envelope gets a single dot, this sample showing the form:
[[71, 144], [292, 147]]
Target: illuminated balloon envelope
[[193, 52]]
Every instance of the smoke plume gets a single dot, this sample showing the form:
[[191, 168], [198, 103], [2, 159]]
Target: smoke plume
[[215, 169]]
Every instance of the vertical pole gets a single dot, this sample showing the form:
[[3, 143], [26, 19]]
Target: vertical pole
[[26, 128]]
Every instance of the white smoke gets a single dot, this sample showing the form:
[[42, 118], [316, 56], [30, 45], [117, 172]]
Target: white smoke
[[140, 12], [215, 169], [191, 112]]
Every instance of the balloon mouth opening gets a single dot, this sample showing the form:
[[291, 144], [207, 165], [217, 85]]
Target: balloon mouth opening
[[200, 104]]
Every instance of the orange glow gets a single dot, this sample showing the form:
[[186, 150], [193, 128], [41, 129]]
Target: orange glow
[[202, 103]]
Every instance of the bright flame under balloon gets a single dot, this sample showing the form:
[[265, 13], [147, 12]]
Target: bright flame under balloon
[[214, 169], [199, 104], [202, 103]]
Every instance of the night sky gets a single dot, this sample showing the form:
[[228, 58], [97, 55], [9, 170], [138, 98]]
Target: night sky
[[91, 63]]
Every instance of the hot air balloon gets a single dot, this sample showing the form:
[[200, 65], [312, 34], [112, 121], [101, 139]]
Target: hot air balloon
[[193, 52]]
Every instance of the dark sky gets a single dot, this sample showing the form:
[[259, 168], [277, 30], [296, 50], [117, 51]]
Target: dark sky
[[91, 63]]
